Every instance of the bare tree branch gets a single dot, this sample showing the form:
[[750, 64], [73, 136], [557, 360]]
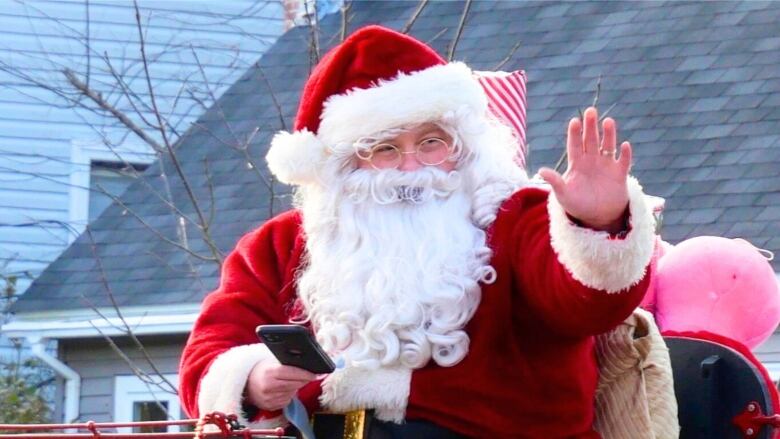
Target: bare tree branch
[[159, 234], [210, 185], [163, 384], [126, 208], [100, 102], [436, 37], [119, 314], [561, 160], [185, 182], [164, 262], [213, 97], [454, 45], [243, 146], [598, 92], [408, 26], [87, 45], [314, 33], [127, 92], [606, 113], [344, 19], [509, 55], [559, 164], [273, 97]]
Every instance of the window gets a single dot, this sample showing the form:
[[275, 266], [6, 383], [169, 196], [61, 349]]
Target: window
[[150, 411], [109, 178], [135, 401], [96, 166]]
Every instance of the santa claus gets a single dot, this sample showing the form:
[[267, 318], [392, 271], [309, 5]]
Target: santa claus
[[459, 296]]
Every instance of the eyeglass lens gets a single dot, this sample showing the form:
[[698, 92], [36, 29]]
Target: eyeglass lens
[[430, 152]]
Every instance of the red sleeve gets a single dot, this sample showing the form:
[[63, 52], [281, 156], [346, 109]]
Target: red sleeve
[[577, 281], [255, 288]]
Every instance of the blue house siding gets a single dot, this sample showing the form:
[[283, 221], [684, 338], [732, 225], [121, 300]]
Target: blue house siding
[[40, 135]]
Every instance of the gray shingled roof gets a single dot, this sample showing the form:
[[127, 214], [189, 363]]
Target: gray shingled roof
[[696, 87]]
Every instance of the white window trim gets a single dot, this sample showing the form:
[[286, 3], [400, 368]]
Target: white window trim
[[129, 389], [82, 154]]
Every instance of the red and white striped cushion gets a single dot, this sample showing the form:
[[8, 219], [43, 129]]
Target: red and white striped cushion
[[507, 101]]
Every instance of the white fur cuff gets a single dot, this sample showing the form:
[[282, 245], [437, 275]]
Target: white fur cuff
[[385, 389], [594, 259], [222, 388]]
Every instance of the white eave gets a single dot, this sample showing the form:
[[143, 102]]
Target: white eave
[[157, 320]]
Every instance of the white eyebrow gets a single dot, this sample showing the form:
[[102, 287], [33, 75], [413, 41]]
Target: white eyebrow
[[433, 130]]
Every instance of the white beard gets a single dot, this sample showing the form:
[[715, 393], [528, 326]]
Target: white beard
[[393, 267]]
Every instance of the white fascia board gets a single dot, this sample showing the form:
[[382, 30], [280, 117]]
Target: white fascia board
[[773, 369], [81, 324], [86, 313]]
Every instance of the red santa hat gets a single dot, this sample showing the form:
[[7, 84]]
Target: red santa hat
[[375, 80]]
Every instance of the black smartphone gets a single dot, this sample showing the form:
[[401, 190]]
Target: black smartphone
[[294, 345]]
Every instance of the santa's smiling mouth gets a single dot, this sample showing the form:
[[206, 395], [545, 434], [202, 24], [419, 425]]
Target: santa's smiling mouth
[[411, 194]]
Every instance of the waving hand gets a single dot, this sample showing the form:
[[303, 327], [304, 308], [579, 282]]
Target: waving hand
[[593, 189]]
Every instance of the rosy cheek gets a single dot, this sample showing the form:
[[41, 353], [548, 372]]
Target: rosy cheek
[[362, 164], [447, 165]]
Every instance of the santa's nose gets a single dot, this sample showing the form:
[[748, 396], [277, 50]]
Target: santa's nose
[[409, 160]]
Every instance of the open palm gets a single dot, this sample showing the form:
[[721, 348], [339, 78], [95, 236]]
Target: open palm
[[594, 187]]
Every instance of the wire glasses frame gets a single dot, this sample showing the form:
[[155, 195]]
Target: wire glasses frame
[[431, 151]]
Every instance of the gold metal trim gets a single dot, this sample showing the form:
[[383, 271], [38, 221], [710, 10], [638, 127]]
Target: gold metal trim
[[354, 424]]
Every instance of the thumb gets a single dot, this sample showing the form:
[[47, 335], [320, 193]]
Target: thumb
[[554, 179]]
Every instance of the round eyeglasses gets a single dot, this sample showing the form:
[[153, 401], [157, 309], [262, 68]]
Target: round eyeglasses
[[432, 151]]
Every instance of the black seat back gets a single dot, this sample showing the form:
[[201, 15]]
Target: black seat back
[[714, 383]]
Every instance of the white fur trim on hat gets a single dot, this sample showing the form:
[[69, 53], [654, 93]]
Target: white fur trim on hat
[[294, 158], [598, 261], [222, 388], [386, 390], [414, 98]]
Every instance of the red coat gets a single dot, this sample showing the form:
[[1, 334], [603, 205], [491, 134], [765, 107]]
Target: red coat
[[530, 371]]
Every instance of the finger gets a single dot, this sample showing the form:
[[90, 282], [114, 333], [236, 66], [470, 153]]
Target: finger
[[273, 401], [574, 140], [284, 387], [590, 135], [610, 135], [554, 179], [281, 394], [292, 373], [625, 157], [291, 382]]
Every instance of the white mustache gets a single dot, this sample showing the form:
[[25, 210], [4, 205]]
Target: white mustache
[[389, 186]]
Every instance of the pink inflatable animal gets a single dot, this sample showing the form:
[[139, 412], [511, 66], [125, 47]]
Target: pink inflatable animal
[[724, 286]]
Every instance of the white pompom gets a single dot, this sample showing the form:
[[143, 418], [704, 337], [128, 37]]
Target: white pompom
[[294, 158]]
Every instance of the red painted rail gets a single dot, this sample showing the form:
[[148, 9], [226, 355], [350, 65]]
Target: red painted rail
[[227, 427]]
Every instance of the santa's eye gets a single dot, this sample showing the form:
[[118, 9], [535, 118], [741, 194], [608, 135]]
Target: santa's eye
[[384, 149]]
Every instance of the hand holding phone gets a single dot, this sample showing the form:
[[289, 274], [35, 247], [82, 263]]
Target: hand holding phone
[[294, 345], [271, 386]]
